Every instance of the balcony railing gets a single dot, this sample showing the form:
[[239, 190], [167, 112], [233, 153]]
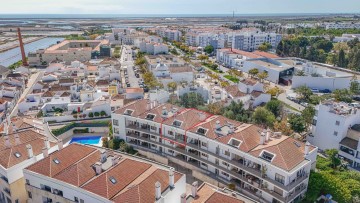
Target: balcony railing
[[255, 171]]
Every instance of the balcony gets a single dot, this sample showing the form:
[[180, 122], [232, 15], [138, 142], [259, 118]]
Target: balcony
[[7, 190], [141, 129], [238, 163]]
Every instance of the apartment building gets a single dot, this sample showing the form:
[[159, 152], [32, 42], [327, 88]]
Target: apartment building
[[262, 164], [205, 39], [251, 41], [337, 25], [233, 57], [335, 126], [154, 48], [68, 51], [19, 148], [171, 35], [83, 173]]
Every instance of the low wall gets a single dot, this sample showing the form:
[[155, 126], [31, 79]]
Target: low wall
[[153, 156], [205, 178], [321, 83], [70, 133]]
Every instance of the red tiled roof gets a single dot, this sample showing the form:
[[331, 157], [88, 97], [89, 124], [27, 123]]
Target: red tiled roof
[[234, 91], [125, 173]]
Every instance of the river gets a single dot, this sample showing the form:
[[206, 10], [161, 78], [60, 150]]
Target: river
[[14, 55]]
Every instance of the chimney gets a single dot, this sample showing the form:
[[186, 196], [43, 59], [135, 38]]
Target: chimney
[[262, 138], [22, 49], [217, 125], [7, 141], [164, 111], [231, 128], [202, 116], [183, 198], [148, 105], [47, 143], [171, 178], [268, 134], [194, 188], [157, 190], [155, 103], [103, 155], [60, 144], [114, 160], [307, 148], [17, 139], [29, 151], [45, 152], [98, 166]]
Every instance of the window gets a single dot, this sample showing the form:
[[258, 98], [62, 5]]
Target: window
[[177, 123], [225, 164], [347, 150], [170, 151], [204, 165], [170, 132], [224, 174], [152, 137], [82, 201], [153, 127], [204, 155], [27, 182], [335, 133], [128, 112], [29, 195], [45, 187], [201, 131], [17, 201], [76, 199], [337, 123], [150, 117], [113, 180], [116, 130], [234, 142], [227, 153], [56, 161], [203, 144], [115, 122], [17, 154], [279, 178], [267, 156]]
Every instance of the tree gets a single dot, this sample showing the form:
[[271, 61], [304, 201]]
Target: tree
[[237, 112], [343, 95], [308, 115], [105, 142], [97, 114], [209, 49], [262, 75], [263, 117], [283, 127], [280, 48], [123, 146], [297, 123], [354, 86], [215, 108], [172, 86], [203, 58], [103, 113], [275, 91], [333, 156], [341, 59], [265, 46], [91, 114], [304, 92], [191, 100], [275, 106], [253, 72], [300, 73]]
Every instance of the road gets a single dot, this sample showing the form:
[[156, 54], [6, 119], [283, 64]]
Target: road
[[282, 97], [126, 59], [32, 81]]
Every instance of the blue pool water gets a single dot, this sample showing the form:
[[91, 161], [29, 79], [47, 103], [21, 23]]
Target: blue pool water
[[86, 140]]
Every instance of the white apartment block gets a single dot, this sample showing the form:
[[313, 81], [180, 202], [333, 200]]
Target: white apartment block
[[171, 35], [87, 174], [335, 126], [252, 41], [205, 39], [19, 148], [342, 26], [265, 166], [234, 58], [154, 48]]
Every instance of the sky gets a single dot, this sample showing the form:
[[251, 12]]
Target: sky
[[177, 6]]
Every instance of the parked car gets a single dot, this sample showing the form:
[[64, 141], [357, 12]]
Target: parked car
[[315, 90], [128, 85], [304, 104], [325, 91]]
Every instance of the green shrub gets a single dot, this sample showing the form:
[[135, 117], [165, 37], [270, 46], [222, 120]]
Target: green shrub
[[77, 131], [91, 114], [97, 114]]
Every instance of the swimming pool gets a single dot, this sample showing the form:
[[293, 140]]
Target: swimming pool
[[86, 140]]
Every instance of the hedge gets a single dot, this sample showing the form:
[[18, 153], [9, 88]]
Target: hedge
[[72, 125]]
